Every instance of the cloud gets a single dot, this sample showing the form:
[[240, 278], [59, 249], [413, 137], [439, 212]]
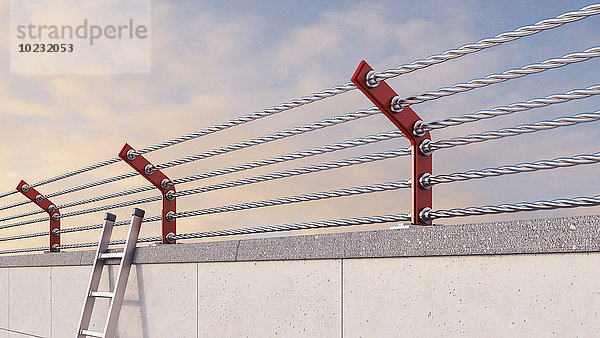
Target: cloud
[[209, 67]]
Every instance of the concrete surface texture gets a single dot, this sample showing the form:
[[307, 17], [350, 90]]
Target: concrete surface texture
[[538, 278], [556, 235], [484, 295]]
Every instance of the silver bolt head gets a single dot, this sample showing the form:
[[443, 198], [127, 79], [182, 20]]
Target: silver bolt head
[[52, 208], [425, 215], [149, 169], [131, 155], [425, 147], [165, 184], [56, 247], [170, 237], [25, 188], [55, 217], [425, 181], [396, 105], [55, 232], [418, 129], [170, 195], [170, 216], [370, 80]]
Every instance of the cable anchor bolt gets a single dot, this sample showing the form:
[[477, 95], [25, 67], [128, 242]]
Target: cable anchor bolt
[[425, 215], [170, 237], [165, 184], [131, 155], [425, 147], [425, 181], [149, 169]]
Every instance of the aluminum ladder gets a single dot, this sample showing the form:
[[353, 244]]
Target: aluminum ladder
[[115, 297]]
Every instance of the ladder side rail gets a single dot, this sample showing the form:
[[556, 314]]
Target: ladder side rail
[[88, 305], [123, 274]]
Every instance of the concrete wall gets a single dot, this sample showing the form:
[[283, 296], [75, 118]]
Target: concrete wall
[[369, 284]]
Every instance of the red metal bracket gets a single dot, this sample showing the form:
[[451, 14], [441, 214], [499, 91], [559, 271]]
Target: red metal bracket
[[382, 96], [160, 181], [48, 207]]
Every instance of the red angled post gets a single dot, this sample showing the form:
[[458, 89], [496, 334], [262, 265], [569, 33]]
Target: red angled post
[[48, 207], [160, 181], [383, 96]]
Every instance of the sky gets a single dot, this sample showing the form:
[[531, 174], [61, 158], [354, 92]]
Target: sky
[[214, 61]]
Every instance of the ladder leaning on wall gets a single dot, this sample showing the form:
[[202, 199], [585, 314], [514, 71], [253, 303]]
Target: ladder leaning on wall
[[116, 296]]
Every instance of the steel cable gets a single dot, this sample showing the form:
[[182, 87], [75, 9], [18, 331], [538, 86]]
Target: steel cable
[[87, 211], [398, 103], [557, 98], [486, 43], [514, 131], [457, 212], [262, 178], [390, 73], [275, 136], [299, 198], [3, 252], [32, 235], [561, 162], [85, 201], [299, 171], [442, 144], [225, 149], [516, 207], [295, 155], [113, 242], [99, 226], [237, 168], [298, 226], [512, 108]]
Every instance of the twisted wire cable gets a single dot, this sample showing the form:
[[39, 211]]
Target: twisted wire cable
[[486, 43], [275, 136], [295, 155], [390, 73], [112, 206], [512, 108], [514, 131], [516, 207], [37, 234], [561, 162], [226, 149], [507, 132], [30, 213], [99, 226], [5, 226], [113, 242], [299, 198], [85, 201], [398, 103], [3, 252], [8, 206], [74, 189], [87, 211], [299, 171], [281, 174], [68, 174], [203, 132], [237, 168], [298, 226]]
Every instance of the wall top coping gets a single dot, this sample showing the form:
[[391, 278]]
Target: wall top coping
[[541, 236]]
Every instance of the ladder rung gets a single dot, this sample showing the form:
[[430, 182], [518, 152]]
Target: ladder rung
[[92, 333], [110, 255], [102, 294]]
